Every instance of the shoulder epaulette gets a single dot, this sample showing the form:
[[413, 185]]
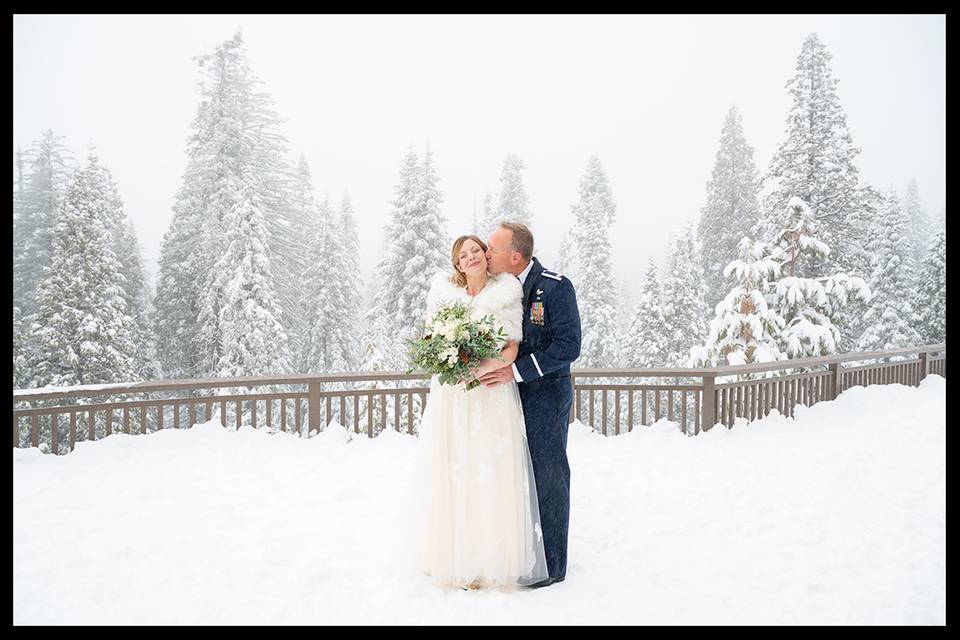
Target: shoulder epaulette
[[552, 274]]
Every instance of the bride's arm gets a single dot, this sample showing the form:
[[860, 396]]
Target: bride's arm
[[508, 353]]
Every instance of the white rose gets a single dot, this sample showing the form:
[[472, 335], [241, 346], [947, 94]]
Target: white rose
[[449, 331], [450, 355]]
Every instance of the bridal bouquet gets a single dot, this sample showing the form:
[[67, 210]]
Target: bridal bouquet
[[453, 343]]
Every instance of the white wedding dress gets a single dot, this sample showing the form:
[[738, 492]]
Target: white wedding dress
[[478, 517]]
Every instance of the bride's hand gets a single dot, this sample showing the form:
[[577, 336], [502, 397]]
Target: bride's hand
[[485, 366]]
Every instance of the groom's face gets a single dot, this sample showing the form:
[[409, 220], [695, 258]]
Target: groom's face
[[500, 254]]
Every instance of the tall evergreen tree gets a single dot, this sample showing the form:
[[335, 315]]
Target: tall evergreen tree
[[816, 163], [809, 306], [248, 318], [594, 213], [352, 310], [514, 203], [643, 346], [490, 219], [684, 311], [921, 229], [301, 205], [327, 348], [566, 262], [179, 287], [136, 292], [83, 333], [930, 299], [135, 289], [416, 247], [889, 320], [234, 146], [731, 208], [744, 329], [38, 195], [21, 374]]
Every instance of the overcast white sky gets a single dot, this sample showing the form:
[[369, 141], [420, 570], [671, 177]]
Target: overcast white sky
[[646, 93]]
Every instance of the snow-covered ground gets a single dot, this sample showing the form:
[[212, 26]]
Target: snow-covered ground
[[836, 517]]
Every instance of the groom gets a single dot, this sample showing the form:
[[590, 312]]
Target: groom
[[551, 341]]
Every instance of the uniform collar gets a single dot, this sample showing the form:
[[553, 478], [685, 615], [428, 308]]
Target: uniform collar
[[523, 274], [535, 269]]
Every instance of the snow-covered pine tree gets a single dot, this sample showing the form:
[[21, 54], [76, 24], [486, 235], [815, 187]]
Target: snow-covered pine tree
[[930, 299], [596, 287], [625, 304], [187, 254], [248, 321], [135, 290], [514, 203], [374, 343], [816, 163], [19, 350], [889, 319], [809, 306], [137, 295], [643, 345], [731, 208], [424, 250], [352, 306], [20, 370], [744, 329], [415, 247], [326, 294], [684, 311], [37, 197], [566, 261], [81, 329], [236, 146], [302, 207], [490, 219], [180, 279], [921, 229], [288, 228]]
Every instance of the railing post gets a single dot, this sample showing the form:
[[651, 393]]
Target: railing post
[[709, 413], [313, 407], [924, 364], [836, 377]]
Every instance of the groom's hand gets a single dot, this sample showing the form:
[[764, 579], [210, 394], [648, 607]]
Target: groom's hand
[[497, 376]]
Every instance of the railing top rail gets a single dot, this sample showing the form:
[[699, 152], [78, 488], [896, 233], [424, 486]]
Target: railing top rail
[[740, 369], [49, 393]]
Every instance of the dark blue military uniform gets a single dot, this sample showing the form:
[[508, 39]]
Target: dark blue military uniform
[[551, 341]]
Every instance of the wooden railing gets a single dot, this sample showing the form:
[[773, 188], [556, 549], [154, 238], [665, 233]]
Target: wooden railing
[[611, 401]]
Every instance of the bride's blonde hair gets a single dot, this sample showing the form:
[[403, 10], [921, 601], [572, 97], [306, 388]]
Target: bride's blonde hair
[[459, 278]]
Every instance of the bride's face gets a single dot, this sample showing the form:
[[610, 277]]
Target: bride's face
[[471, 260]]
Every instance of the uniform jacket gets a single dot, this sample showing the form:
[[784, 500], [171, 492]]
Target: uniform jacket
[[551, 325]]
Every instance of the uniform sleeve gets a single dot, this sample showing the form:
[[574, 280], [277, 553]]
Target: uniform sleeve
[[564, 348]]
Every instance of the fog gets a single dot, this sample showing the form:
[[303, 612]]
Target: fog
[[646, 93]]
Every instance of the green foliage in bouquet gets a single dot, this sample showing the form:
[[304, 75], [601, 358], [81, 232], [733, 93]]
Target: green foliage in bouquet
[[453, 345]]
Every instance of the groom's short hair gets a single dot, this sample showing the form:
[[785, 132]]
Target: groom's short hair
[[522, 238]]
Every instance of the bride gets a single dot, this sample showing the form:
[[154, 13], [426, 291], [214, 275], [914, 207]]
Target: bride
[[479, 519]]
